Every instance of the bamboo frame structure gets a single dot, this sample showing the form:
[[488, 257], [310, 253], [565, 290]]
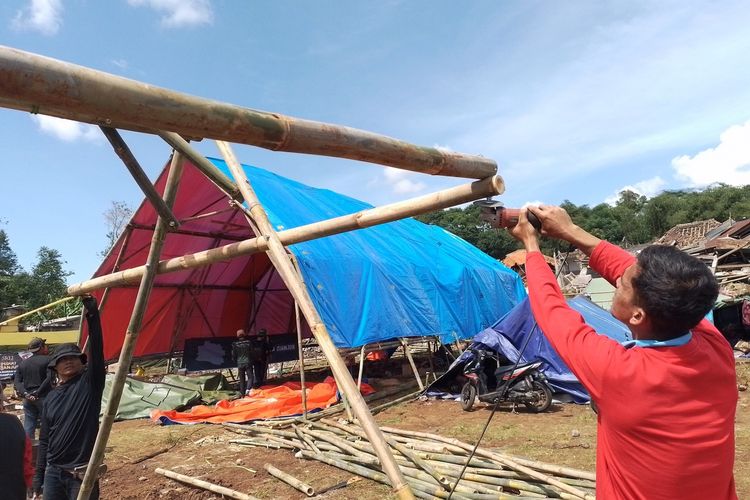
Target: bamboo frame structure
[[131, 335], [277, 253], [37, 84], [359, 220]]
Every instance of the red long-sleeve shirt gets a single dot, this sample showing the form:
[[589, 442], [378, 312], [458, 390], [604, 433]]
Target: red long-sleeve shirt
[[666, 414]]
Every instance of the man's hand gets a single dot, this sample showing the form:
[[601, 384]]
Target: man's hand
[[556, 223], [89, 303], [524, 232]]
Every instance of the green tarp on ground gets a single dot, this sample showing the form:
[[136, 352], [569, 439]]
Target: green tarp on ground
[[174, 392], [212, 386]]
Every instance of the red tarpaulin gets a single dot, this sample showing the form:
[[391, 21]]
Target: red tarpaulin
[[211, 301]]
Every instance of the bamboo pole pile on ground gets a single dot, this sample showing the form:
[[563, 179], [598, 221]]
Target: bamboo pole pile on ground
[[430, 463]]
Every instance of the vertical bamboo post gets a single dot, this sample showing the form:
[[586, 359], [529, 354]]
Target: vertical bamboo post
[[277, 253], [361, 367], [134, 328], [301, 361], [407, 352], [301, 352]]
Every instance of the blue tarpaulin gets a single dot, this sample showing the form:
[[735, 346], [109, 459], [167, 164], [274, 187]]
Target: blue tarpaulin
[[400, 279], [509, 334]]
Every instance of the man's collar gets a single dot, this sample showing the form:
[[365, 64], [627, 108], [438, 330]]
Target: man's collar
[[677, 341]]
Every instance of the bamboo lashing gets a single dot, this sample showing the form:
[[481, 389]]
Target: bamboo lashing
[[37, 84], [277, 254]]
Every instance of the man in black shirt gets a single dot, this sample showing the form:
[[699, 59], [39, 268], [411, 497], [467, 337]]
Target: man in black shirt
[[29, 377], [259, 358], [70, 418], [241, 354]]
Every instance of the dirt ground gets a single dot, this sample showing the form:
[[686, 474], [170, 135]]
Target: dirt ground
[[565, 436]]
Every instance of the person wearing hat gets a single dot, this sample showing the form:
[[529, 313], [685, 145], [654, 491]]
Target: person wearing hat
[[30, 375], [70, 418]]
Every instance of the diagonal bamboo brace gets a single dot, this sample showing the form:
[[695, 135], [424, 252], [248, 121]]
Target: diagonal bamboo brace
[[277, 253]]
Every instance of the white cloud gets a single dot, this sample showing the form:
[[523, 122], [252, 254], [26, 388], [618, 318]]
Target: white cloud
[[729, 162], [120, 63], [179, 13], [400, 181], [647, 188], [66, 130], [44, 16]]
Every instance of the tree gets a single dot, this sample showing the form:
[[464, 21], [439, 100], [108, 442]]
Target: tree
[[8, 260], [116, 217], [47, 281], [8, 269]]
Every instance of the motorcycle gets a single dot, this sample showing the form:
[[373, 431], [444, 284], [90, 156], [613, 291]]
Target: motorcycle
[[491, 378]]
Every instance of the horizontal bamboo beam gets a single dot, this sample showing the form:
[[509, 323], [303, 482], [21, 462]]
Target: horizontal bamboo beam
[[365, 218], [37, 84]]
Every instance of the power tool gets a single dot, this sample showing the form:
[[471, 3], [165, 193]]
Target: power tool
[[497, 215]]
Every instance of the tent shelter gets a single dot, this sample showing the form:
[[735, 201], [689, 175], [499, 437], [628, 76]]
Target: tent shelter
[[401, 279]]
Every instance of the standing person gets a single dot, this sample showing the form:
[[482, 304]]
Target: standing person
[[666, 400], [259, 357], [70, 418], [241, 354], [15, 460], [30, 374]]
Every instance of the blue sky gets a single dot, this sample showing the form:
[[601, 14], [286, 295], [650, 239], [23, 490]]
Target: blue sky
[[574, 100]]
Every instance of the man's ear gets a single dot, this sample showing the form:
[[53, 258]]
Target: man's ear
[[638, 317]]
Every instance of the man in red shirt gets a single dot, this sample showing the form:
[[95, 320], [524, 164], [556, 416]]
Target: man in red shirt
[[666, 400]]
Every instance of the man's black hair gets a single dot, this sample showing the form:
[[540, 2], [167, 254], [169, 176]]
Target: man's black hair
[[675, 289]]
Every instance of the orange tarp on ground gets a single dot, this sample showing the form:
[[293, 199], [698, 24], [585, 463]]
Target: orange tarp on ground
[[267, 402]]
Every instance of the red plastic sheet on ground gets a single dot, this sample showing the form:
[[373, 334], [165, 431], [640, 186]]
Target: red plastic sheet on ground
[[267, 402]]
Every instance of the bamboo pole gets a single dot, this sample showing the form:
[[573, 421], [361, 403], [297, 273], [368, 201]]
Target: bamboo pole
[[123, 151], [46, 306], [203, 164], [277, 254], [359, 220], [508, 462], [407, 352], [221, 490], [361, 367], [301, 361], [37, 84], [131, 335], [300, 350], [290, 480], [555, 469]]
